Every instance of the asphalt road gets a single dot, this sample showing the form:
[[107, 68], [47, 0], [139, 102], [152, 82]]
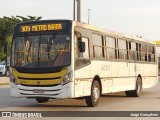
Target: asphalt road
[[148, 101]]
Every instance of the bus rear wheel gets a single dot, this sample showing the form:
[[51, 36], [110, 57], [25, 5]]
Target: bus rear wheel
[[136, 92], [93, 99], [42, 100]]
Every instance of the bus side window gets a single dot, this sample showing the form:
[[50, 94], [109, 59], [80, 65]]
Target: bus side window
[[110, 47], [133, 51], [149, 53], [97, 41], [82, 58], [144, 53], [153, 55], [149, 57], [122, 45], [139, 52]]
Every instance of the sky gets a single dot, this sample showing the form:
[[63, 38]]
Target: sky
[[132, 17]]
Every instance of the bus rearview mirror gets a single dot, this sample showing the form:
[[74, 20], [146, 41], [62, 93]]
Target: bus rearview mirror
[[82, 46]]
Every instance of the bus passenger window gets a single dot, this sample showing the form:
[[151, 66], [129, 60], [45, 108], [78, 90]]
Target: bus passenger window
[[97, 46], [149, 57], [133, 51], [149, 53], [144, 53], [153, 55], [82, 58], [111, 47], [153, 50], [122, 45], [139, 52]]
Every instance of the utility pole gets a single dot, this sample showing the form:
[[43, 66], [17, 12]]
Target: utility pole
[[79, 10], [74, 17], [88, 15]]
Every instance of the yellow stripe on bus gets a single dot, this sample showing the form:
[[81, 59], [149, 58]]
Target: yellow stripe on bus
[[57, 78], [39, 82]]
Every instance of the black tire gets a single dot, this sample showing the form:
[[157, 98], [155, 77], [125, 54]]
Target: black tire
[[93, 99], [137, 91], [42, 100]]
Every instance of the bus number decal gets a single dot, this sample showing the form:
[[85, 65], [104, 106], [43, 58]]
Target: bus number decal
[[43, 27], [25, 28]]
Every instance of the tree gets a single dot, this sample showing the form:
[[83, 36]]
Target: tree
[[7, 25], [29, 18]]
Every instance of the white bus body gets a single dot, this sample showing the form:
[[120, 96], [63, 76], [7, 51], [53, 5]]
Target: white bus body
[[122, 66]]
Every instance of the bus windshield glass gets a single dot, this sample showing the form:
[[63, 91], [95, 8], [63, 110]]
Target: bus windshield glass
[[41, 51]]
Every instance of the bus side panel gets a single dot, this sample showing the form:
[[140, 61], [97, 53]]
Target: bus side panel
[[103, 69], [85, 75], [131, 84], [149, 77], [83, 81], [120, 74]]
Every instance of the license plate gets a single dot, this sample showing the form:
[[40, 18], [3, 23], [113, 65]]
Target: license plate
[[38, 91]]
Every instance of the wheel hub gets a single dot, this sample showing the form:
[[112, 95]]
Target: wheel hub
[[138, 86], [96, 93]]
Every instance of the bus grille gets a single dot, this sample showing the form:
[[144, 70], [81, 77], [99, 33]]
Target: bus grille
[[40, 85], [39, 78]]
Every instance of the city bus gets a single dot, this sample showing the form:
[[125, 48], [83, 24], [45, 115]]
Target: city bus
[[64, 59]]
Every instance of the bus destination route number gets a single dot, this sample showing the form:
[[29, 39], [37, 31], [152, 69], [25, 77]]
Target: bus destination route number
[[43, 27]]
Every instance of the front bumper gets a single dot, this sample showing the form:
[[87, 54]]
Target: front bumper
[[55, 92]]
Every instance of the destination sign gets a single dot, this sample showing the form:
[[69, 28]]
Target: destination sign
[[41, 27], [44, 27]]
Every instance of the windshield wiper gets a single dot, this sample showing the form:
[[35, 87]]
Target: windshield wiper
[[49, 44], [29, 49]]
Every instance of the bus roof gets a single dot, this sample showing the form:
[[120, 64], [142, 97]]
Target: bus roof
[[112, 33], [87, 26], [43, 21]]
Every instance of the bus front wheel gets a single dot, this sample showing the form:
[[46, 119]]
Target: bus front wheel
[[136, 92], [93, 99], [42, 100]]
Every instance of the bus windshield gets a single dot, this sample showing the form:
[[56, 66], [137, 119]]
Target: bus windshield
[[41, 51]]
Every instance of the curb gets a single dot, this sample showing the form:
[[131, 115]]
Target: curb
[[4, 81], [4, 84]]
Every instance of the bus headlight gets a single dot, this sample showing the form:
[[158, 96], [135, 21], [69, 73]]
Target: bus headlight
[[67, 78], [13, 79], [1, 68]]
